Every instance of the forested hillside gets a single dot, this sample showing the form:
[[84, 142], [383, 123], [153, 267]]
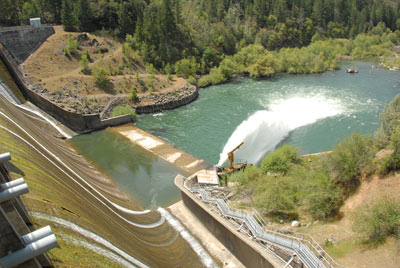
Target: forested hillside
[[203, 31]]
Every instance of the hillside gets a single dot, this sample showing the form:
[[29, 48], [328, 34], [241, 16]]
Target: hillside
[[59, 75]]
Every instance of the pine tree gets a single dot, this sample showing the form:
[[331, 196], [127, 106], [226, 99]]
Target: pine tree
[[125, 20], [84, 16], [67, 17]]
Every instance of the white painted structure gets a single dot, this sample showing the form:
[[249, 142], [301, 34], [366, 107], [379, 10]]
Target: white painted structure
[[35, 22]]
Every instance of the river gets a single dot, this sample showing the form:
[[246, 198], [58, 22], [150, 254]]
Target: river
[[313, 112]]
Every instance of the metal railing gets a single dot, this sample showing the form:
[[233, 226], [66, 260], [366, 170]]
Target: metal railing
[[310, 253]]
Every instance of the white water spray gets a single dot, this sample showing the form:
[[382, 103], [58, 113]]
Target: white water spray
[[205, 258], [263, 130]]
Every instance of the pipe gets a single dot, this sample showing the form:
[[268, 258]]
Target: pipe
[[5, 157], [29, 251], [12, 183], [13, 192], [37, 235]]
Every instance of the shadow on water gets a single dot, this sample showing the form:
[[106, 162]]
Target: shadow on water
[[141, 174]]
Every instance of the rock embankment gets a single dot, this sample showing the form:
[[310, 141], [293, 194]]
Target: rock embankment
[[167, 100]]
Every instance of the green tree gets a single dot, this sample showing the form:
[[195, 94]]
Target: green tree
[[84, 16], [67, 17], [281, 160], [349, 158]]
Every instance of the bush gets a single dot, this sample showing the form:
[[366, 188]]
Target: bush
[[71, 47], [349, 158], [84, 62], [101, 78], [281, 160], [391, 117], [133, 94], [124, 110], [323, 197], [392, 162], [186, 67], [277, 195], [377, 221]]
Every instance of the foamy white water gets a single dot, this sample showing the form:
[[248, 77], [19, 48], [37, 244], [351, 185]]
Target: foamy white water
[[265, 129], [205, 258]]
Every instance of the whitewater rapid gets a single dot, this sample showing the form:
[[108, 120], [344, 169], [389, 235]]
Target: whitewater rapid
[[265, 129]]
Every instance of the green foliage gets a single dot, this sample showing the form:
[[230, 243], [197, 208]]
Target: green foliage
[[84, 16], [281, 160], [192, 80], [322, 195], [133, 94], [186, 67], [101, 78], [277, 195], [124, 110], [72, 46], [390, 118], [349, 158], [391, 162], [247, 176], [84, 63], [376, 221], [67, 16]]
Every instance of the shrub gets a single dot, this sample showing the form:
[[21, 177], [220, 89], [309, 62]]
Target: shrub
[[392, 162], [84, 62], [281, 160], [124, 110], [323, 197], [192, 80], [186, 67], [277, 195], [390, 117], [71, 47], [101, 78], [204, 81], [377, 221], [349, 158], [133, 94]]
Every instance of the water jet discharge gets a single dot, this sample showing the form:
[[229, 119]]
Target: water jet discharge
[[265, 129]]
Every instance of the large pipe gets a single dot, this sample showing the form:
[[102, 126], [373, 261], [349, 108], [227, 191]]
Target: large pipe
[[12, 183], [29, 251], [5, 157], [13, 192], [37, 235]]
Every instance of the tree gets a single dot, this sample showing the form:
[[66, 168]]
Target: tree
[[67, 17], [84, 16], [125, 21]]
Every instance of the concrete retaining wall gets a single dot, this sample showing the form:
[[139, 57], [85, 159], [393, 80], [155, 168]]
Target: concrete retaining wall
[[21, 42], [249, 253]]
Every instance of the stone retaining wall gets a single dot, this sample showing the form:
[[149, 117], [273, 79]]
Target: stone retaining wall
[[170, 104], [21, 42]]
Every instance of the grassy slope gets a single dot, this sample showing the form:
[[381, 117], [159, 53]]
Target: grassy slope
[[40, 198]]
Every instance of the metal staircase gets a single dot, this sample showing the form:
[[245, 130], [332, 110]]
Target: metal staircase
[[310, 253]]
